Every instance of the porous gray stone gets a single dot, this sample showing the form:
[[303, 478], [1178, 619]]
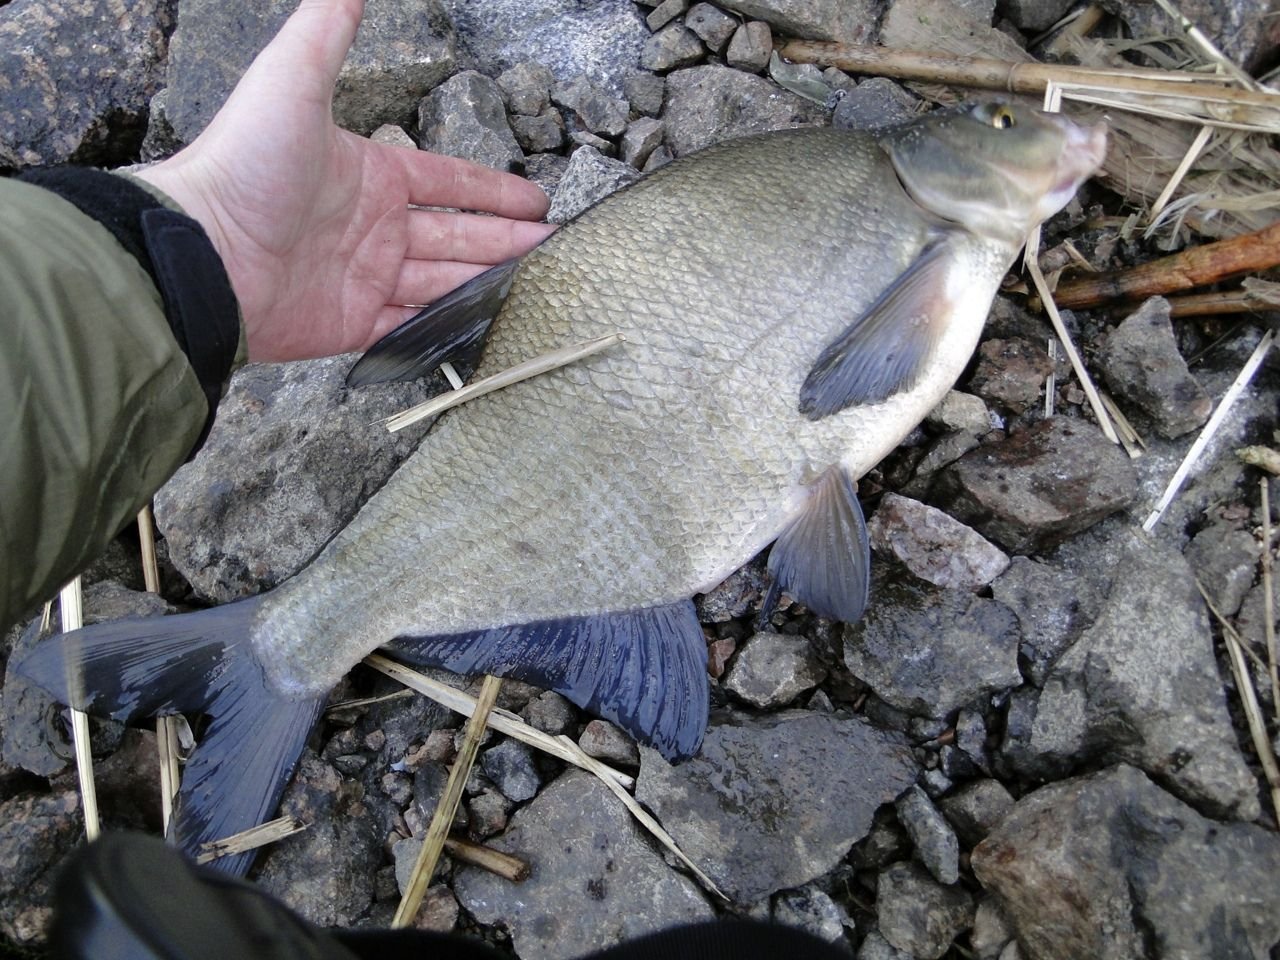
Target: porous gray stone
[[930, 651], [771, 670], [526, 88], [712, 25], [936, 844], [1039, 485], [775, 802], [289, 460], [539, 134], [975, 809], [593, 108], [549, 712], [465, 117], [711, 103], [1011, 373], [960, 411], [672, 47], [510, 765], [1141, 685], [606, 741], [812, 910], [918, 915], [875, 103], [933, 546], [601, 39], [1053, 605], [1112, 867], [589, 852], [664, 13], [76, 78], [848, 21], [1141, 363], [642, 137], [1035, 16], [37, 832], [750, 47], [876, 947], [589, 178], [1224, 558], [645, 91]]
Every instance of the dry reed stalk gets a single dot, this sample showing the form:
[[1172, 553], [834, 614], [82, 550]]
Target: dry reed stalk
[[166, 727], [70, 602], [251, 839], [438, 831], [486, 858], [1237, 387]]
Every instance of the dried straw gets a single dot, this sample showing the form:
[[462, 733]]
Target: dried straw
[[70, 601]]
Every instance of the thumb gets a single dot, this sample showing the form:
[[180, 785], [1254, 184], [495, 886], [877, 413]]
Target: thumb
[[307, 53]]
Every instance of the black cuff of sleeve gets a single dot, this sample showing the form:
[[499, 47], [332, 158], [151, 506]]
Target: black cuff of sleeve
[[177, 254]]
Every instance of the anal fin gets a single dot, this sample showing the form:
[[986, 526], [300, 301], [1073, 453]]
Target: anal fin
[[645, 670], [451, 329], [198, 662], [823, 558]]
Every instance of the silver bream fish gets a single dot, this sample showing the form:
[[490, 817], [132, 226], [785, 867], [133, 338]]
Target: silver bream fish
[[793, 304]]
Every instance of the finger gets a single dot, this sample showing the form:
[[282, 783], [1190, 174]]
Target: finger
[[472, 238], [311, 46], [424, 281], [439, 181]]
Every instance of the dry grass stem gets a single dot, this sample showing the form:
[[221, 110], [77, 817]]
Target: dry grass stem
[[1192, 154], [1207, 47], [521, 371], [72, 610], [166, 727], [1237, 387], [367, 701], [1264, 458], [501, 720], [1130, 439], [1051, 381], [650, 823], [447, 807], [1249, 701], [250, 839], [486, 858]]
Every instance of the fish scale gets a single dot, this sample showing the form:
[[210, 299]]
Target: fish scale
[[793, 304]]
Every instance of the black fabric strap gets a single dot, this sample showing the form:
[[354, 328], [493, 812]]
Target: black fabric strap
[[176, 253]]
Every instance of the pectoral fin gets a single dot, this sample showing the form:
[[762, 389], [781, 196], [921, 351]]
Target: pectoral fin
[[451, 329], [646, 670], [884, 351], [823, 558]]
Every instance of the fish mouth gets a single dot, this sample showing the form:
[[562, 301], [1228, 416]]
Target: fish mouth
[[1083, 153]]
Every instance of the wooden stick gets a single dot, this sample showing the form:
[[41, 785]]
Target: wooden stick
[[70, 601], [1213, 304], [1195, 267], [438, 831], [250, 839], [495, 861], [1231, 106]]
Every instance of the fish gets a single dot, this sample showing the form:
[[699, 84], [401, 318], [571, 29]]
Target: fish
[[792, 304]]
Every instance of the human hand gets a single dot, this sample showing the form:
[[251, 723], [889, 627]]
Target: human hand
[[313, 223]]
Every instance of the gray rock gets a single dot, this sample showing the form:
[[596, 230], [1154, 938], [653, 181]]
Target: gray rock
[[511, 767], [290, 459], [326, 872], [935, 842], [1110, 866], [36, 835], [960, 411], [645, 91], [945, 450], [735, 597], [589, 178], [1141, 363], [664, 13], [672, 47], [77, 78], [393, 135], [594, 109], [918, 915], [1034, 16], [810, 909], [601, 39], [659, 158], [550, 713], [1053, 605], [32, 734], [1238, 28], [849, 21], [771, 670], [539, 134], [884, 844], [1141, 685], [1039, 485], [991, 931], [750, 47], [976, 808], [876, 947], [712, 103], [775, 802], [526, 88], [930, 651], [546, 169], [584, 138], [971, 737], [642, 137], [1224, 559], [933, 546], [402, 50], [712, 25], [429, 782], [588, 850], [487, 814], [1011, 373], [874, 104], [464, 117], [605, 741]]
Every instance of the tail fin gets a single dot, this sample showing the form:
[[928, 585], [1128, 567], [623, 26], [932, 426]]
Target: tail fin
[[191, 663]]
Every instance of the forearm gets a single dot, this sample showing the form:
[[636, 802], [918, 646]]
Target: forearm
[[99, 401]]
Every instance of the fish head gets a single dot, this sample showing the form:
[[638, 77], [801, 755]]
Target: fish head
[[996, 169]]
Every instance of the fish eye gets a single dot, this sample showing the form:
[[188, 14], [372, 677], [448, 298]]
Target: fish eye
[[1002, 118]]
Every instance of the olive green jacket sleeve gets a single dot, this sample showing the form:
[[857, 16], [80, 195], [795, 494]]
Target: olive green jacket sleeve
[[98, 403]]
